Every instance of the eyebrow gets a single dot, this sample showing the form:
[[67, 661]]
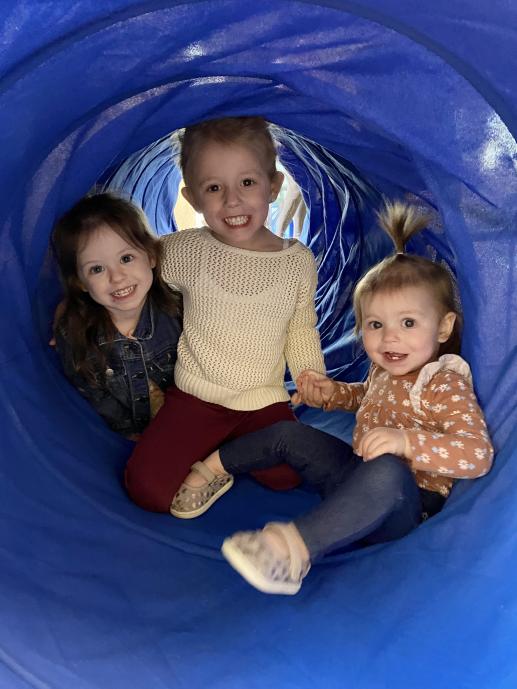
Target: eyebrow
[[97, 260], [245, 173], [405, 312]]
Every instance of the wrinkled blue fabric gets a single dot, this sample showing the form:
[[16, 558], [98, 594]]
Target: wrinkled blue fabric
[[372, 98]]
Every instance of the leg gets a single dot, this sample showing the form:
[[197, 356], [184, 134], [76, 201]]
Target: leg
[[322, 460], [278, 476], [209, 480], [184, 431], [379, 501]]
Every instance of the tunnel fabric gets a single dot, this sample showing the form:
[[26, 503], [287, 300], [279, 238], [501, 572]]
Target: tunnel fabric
[[412, 103]]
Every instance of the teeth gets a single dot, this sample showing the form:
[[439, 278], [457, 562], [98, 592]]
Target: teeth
[[123, 292], [393, 355], [237, 220]]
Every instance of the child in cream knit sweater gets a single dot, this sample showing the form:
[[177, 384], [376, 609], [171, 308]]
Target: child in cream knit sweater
[[248, 310]]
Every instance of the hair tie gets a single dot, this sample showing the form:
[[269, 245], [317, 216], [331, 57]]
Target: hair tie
[[401, 253]]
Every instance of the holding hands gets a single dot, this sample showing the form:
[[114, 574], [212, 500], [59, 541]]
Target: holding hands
[[313, 389]]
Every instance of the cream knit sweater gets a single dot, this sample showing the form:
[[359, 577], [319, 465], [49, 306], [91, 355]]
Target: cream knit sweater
[[246, 313]]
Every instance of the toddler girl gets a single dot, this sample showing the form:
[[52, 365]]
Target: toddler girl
[[248, 309], [118, 327], [418, 426]]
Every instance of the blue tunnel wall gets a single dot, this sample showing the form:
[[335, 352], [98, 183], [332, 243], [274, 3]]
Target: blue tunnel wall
[[421, 102]]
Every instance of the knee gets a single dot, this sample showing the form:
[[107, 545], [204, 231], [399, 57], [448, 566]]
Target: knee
[[144, 490], [282, 435], [390, 473]]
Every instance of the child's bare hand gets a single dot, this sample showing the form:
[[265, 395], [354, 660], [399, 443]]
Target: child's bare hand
[[380, 441], [313, 389]]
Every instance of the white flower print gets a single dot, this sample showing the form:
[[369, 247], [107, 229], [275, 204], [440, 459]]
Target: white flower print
[[421, 439], [447, 424], [457, 398], [407, 385], [443, 387], [458, 443], [480, 453], [468, 419], [465, 466], [461, 385], [391, 397], [437, 408], [444, 470], [443, 452], [406, 403], [425, 459]]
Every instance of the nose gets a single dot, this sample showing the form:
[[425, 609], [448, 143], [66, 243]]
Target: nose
[[390, 333], [232, 197], [117, 274]]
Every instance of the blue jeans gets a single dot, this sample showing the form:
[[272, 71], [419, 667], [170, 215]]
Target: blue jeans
[[372, 502]]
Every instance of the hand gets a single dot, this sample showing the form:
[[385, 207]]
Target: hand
[[380, 441], [313, 389]]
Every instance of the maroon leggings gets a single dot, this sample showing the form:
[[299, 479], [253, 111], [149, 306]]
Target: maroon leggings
[[187, 430]]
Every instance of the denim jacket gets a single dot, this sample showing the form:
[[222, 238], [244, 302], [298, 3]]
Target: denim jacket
[[124, 400]]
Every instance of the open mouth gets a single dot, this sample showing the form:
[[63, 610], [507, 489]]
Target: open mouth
[[237, 220], [121, 293], [394, 356]]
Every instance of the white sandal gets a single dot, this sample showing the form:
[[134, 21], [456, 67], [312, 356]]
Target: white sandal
[[250, 554], [190, 502]]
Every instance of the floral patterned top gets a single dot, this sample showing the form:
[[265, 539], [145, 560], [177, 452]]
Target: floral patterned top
[[437, 406]]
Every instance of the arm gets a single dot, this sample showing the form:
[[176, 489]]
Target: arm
[[460, 447], [317, 390], [112, 410], [303, 346]]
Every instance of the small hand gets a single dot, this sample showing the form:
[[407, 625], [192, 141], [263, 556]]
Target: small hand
[[313, 389], [380, 441]]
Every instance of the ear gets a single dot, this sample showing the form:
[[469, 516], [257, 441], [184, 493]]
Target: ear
[[152, 262], [446, 326], [189, 196], [276, 184]]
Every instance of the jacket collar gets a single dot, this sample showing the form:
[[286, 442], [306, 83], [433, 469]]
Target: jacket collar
[[144, 328]]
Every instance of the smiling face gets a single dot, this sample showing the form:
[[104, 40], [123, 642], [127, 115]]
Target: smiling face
[[402, 330], [115, 274], [230, 185]]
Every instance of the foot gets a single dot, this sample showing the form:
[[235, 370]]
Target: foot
[[193, 501], [268, 559]]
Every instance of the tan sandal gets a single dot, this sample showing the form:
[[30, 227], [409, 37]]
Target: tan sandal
[[190, 502], [250, 554]]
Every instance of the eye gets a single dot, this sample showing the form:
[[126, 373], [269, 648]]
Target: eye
[[127, 258], [374, 325], [409, 322], [212, 188], [248, 182], [95, 270]]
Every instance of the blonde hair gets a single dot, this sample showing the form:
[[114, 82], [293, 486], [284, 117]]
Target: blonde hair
[[401, 222], [249, 131]]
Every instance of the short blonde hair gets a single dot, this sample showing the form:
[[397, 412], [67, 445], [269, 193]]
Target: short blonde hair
[[249, 131], [401, 221]]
